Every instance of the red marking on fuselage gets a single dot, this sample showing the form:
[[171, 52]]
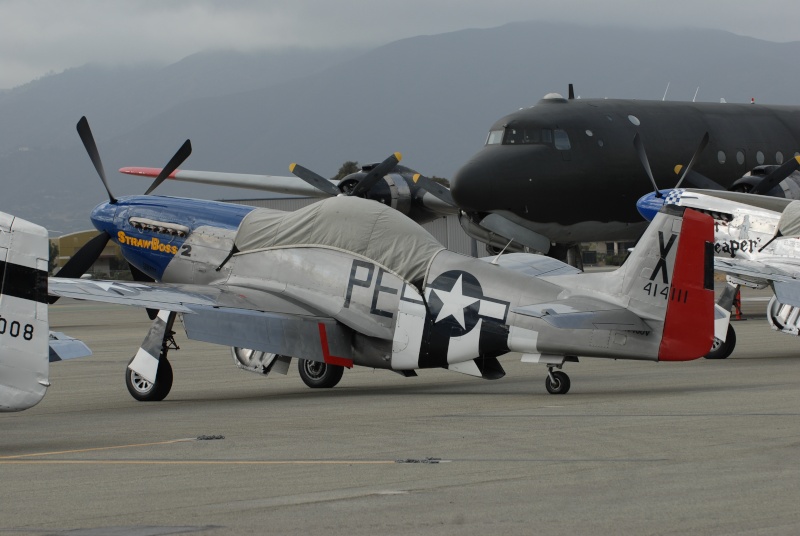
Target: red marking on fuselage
[[326, 351]]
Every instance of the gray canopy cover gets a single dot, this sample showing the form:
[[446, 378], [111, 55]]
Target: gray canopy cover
[[366, 228], [789, 224]]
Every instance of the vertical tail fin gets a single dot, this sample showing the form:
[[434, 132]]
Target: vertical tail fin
[[24, 330], [669, 276]]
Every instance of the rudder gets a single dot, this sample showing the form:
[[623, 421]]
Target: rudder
[[669, 277]]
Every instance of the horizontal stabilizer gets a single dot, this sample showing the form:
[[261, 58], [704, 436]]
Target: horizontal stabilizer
[[584, 313], [63, 347]]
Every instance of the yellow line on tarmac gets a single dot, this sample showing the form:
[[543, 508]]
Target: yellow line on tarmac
[[95, 449], [195, 462]]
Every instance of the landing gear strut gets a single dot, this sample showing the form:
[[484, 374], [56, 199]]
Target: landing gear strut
[[557, 382], [159, 341]]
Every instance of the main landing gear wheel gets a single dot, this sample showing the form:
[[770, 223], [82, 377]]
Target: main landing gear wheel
[[319, 375], [721, 350], [146, 391], [557, 382]]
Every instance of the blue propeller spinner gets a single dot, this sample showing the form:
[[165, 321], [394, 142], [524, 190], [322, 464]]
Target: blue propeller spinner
[[648, 205]]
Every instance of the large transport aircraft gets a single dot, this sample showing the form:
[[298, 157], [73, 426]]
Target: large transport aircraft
[[564, 171], [348, 282]]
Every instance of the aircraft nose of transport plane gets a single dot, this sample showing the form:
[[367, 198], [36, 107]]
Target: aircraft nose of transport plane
[[473, 181], [500, 177]]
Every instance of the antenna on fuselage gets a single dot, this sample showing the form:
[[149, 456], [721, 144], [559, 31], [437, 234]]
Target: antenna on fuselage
[[665, 93], [494, 261], [571, 92], [695, 94]]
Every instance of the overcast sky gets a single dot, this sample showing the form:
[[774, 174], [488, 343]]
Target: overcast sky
[[42, 36]]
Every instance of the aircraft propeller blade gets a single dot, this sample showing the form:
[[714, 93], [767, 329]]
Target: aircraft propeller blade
[[317, 181], [637, 142], [773, 179], [176, 160], [695, 156], [701, 181], [375, 174], [434, 188], [91, 147], [83, 259]]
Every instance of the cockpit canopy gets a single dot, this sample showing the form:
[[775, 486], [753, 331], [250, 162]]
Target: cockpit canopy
[[366, 228], [520, 135]]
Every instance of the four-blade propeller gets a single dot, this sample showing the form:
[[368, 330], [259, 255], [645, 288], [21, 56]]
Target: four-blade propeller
[[85, 257]]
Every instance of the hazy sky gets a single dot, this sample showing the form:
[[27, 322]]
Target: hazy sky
[[41, 36]]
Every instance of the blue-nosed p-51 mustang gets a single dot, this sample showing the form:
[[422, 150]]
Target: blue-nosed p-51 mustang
[[347, 281]]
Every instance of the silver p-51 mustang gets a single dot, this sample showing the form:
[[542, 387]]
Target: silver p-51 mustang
[[348, 281]]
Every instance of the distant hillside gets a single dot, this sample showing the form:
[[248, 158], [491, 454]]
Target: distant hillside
[[431, 98]]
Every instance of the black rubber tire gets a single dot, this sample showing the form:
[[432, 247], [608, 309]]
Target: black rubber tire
[[721, 350], [561, 385], [144, 391], [319, 375]]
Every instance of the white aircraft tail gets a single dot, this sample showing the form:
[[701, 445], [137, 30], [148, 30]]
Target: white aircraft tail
[[24, 330], [667, 281], [670, 277]]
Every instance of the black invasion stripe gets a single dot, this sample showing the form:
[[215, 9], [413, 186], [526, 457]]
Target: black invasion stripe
[[23, 282]]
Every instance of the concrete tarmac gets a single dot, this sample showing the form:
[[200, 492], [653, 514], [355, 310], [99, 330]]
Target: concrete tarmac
[[705, 447]]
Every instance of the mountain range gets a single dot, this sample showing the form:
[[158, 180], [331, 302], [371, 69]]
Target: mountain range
[[432, 98]]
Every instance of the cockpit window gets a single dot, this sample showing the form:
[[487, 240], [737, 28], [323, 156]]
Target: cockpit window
[[495, 137], [562, 140], [527, 136]]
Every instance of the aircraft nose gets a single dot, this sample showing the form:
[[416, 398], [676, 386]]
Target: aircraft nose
[[500, 176], [103, 216], [472, 183]]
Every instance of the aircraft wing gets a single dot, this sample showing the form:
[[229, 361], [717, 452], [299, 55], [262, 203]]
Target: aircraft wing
[[270, 183], [580, 312], [757, 271], [784, 277], [231, 316]]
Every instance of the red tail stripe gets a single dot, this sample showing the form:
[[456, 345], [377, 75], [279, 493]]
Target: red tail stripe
[[689, 323]]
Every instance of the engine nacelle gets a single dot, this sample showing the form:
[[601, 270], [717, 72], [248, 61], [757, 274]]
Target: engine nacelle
[[396, 190], [788, 188]]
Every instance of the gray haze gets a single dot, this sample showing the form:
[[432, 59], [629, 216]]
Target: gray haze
[[432, 98], [42, 36]]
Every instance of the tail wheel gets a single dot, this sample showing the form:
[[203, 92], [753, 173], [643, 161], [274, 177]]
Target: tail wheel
[[721, 350], [557, 383], [319, 375], [144, 390]]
